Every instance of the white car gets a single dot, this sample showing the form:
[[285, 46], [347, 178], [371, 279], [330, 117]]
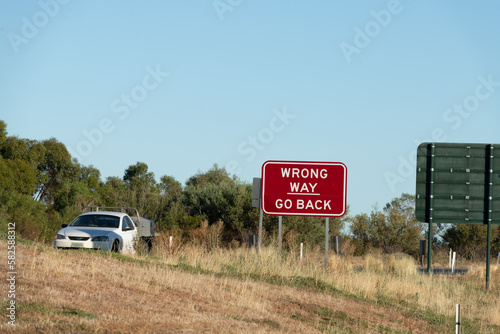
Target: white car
[[104, 230]]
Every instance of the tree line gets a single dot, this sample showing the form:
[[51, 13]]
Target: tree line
[[42, 187]]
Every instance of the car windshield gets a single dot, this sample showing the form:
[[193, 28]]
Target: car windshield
[[96, 221]]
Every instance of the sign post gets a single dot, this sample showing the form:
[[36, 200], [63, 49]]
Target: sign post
[[422, 250], [488, 193], [458, 184], [280, 223], [256, 202], [299, 188], [327, 236]]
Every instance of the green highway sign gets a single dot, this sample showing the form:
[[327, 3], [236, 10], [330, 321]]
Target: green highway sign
[[458, 183]]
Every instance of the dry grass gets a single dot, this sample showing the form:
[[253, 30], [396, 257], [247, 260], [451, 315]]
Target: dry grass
[[373, 277], [200, 289]]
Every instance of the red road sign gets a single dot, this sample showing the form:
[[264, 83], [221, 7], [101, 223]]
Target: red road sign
[[300, 188]]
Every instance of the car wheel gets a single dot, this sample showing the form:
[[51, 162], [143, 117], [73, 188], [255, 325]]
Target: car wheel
[[116, 247]]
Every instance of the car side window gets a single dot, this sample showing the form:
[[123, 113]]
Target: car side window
[[127, 224]]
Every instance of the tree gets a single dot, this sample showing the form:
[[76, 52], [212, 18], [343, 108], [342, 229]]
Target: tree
[[55, 167], [22, 157], [138, 171], [29, 215], [171, 203], [470, 241], [78, 191], [402, 230], [17, 175], [215, 175], [112, 192], [216, 196], [396, 229], [216, 202], [362, 230], [90, 176], [3, 134], [170, 188], [142, 191], [29, 169]]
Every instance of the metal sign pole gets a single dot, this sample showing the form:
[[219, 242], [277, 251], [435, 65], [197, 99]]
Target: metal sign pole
[[257, 203], [260, 229], [488, 256], [327, 232], [430, 203], [280, 221], [488, 190], [429, 241]]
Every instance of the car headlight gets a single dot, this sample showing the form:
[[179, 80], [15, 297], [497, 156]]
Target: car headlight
[[100, 238], [60, 236]]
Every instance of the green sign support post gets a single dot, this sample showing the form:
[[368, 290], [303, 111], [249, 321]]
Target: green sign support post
[[488, 192], [458, 184], [430, 202]]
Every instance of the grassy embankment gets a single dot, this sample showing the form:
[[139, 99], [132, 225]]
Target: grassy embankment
[[187, 289]]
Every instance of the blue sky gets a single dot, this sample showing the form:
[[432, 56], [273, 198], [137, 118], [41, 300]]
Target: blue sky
[[181, 85]]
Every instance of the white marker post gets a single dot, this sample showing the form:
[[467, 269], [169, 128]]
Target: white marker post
[[453, 263], [457, 319], [301, 250]]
